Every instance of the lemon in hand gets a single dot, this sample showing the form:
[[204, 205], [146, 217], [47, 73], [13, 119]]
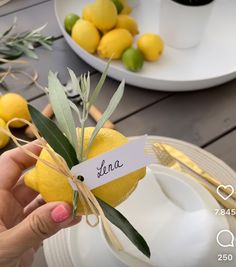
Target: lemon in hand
[[4, 139], [151, 45], [114, 43], [14, 106], [85, 34], [70, 21], [55, 187], [133, 59]]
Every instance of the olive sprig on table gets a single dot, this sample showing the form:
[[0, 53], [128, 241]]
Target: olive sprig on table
[[15, 45]]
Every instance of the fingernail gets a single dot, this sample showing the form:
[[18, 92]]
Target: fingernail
[[60, 214]]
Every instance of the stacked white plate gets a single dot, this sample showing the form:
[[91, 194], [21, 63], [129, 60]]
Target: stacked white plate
[[84, 246]]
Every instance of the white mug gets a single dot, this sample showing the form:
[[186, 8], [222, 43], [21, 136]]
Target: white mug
[[183, 26]]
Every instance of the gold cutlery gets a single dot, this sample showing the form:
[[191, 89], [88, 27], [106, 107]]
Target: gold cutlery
[[168, 160]]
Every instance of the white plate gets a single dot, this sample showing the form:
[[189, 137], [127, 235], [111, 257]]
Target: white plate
[[158, 220], [206, 161], [57, 249], [211, 63], [83, 246]]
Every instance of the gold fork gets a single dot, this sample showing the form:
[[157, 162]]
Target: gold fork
[[166, 159], [196, 169]]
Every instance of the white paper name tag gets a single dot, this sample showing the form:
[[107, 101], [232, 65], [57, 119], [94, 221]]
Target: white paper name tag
[[113, 164]]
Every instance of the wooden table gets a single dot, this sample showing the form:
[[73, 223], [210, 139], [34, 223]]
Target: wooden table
[[206, 118]]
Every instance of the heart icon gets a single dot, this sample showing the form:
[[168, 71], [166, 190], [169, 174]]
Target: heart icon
[[221, 188]]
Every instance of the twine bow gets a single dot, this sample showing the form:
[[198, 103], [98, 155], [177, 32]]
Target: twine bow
[[86, 197]]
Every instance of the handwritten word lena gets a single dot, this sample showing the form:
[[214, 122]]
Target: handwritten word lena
[[107, 168]]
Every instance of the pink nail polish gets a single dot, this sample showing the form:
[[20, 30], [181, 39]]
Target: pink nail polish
[[60, 214]]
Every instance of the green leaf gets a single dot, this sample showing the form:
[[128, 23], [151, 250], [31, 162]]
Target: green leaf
[[75, 82], [115, 100], [10, 53], [98, 86], [86, 82], [7, 31], [38, 30], [55, 138], [62, 110], [76, 110], [23, 42], [26, 51], [45, 45], [116, 218]]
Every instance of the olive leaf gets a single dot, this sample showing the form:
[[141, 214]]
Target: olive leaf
[[62, 110], [116, 218], [55, 138], [7, 31], [13, 46], [75, 83], [98, 87], [115, 100]]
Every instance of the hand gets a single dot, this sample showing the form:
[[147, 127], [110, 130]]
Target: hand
[[25, 220]]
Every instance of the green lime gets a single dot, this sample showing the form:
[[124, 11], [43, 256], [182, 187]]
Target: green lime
[[69, 21], [119, 5], [133, 59]]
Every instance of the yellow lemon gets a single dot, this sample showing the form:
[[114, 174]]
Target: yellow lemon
[[127, 9], [55, 187], [86, 13], [128, 23], [103, 15], [14, 106], [4, 139], [151, 45], [85, 34], [114, 43]]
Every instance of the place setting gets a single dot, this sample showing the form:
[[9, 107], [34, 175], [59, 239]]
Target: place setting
[[166, 196]]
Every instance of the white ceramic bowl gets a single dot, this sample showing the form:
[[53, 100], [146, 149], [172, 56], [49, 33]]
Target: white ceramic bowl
[[209, 64]]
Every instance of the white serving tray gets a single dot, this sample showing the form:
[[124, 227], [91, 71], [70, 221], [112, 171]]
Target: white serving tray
[[211, 63]]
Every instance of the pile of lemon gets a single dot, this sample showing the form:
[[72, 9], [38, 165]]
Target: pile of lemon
[[106, 28], [12, 106]]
